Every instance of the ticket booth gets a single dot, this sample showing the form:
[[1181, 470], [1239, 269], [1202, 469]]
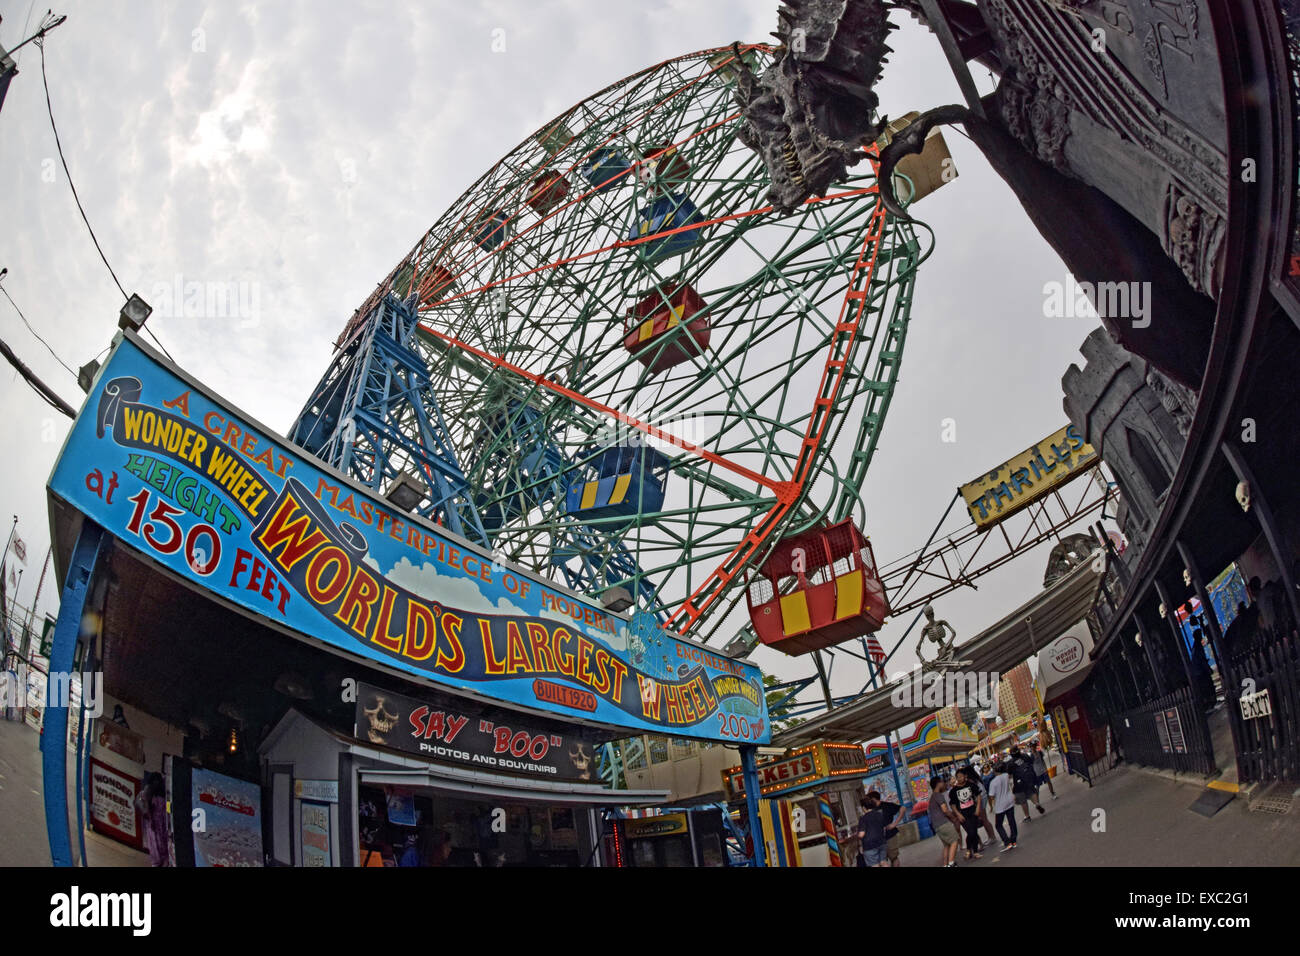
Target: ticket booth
[[809, 802]]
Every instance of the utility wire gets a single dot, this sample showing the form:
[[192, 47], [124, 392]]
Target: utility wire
[[49, 24], [35, 333], [48, 394], [50, 109], [159, 344]]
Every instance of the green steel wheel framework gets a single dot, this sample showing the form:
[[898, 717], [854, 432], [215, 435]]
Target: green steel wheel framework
[[522, 306]]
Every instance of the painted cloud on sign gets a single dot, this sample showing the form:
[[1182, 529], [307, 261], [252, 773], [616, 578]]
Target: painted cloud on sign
[[463, 594], [458, 592]]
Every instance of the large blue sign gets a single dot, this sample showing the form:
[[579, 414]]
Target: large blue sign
[[234, 508]]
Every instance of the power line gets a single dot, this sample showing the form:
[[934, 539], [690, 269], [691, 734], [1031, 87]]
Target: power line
[[50, 396], [35, 333], [71, 185], [50, 23], [159, 344]]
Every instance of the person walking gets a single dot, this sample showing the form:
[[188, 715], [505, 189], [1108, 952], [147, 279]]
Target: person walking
[[982, 784], [964, 798], [1004, 805], [1026, 782], [944, 821], [1039, 759], [874, 828]]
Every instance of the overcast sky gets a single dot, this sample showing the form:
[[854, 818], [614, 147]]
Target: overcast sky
[[301, 148]]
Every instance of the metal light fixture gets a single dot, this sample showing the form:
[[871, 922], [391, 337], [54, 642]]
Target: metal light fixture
[[407, 491], [86, 375], [737, 647], [134, 313], [616, 599]]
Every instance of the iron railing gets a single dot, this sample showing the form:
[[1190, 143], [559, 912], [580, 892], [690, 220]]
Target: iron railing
[[1169, 732], [1263, 682]]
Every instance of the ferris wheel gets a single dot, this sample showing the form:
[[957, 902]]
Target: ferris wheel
[[649, 378]]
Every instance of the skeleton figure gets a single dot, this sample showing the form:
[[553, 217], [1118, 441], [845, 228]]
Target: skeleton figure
[[381, 720], [581, 761], [934, 631]]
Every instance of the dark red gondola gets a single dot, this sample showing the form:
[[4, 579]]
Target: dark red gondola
[[817, 589], [435, 284], [547, 191], [658, 315]]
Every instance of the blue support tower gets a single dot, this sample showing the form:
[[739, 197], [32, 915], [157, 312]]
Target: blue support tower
[[374, 417], [519, 467]]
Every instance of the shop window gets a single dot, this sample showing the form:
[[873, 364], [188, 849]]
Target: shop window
[[658, 750], [682, 749], [458, 832]]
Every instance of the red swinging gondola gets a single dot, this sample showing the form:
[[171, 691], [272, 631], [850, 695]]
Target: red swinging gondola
[[650, 328], [817, 589]]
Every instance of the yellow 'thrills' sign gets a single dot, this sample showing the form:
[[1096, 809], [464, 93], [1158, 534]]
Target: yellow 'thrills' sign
[[1028, 476]]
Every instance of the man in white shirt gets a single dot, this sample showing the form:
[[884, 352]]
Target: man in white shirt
[[1004, 805]]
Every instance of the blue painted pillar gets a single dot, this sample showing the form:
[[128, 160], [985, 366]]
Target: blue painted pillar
[[903, 797], [54, 737], [749, 764]]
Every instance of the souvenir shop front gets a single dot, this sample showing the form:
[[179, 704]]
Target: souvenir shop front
[[322, 677], [436, 780]]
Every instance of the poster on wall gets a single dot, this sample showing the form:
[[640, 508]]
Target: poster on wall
[[401, 808], [112, 804], [119, 739], [231, 831], [236, 510], [74, 712], [315, 833], [882, 783], [34, 710], [437, 729], [918, 778]]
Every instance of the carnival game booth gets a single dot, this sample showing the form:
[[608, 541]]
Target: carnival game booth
[[810, 802], [330, 679], [688, 836]]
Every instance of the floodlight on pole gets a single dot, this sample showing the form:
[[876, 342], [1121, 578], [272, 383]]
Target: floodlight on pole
[[135, 311]]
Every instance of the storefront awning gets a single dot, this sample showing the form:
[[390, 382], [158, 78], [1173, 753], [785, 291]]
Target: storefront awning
[[475, 784]]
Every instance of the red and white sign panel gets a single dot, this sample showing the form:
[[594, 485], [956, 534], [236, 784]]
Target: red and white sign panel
[[112, 804]]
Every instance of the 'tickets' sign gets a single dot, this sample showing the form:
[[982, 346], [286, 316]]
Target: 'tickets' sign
[[441, 733], [779, 774], [235, 509]]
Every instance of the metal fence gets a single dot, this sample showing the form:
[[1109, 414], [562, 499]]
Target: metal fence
[[1169, 732], [1263, 696]]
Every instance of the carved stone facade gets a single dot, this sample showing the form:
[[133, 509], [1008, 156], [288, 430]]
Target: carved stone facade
[[1111, 92], [1136, 419]]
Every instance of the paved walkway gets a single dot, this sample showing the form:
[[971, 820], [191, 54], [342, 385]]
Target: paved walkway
[[23, 840], [1146, 823]]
